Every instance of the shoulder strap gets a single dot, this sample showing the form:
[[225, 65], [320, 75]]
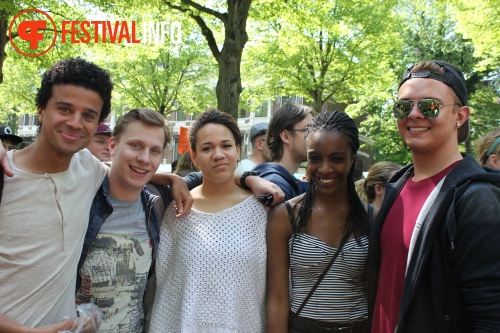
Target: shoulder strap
[[311, 292], [290, 211], [290, 216]]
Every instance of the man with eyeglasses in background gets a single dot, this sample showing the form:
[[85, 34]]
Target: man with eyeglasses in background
[[434, 255], [286, 142], [260, 151]]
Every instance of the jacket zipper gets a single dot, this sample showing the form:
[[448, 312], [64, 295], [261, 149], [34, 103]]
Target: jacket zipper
[[447, 322], [149, 232]]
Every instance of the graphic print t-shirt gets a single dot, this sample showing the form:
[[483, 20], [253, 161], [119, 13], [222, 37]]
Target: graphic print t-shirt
[[116, 268]]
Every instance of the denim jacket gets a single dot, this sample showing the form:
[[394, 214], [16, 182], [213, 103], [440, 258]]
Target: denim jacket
[[101, 209]]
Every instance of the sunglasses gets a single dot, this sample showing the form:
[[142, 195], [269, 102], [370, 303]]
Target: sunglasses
[[429, 108]]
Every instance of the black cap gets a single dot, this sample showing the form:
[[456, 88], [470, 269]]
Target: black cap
[[6, 133], [453, 78]]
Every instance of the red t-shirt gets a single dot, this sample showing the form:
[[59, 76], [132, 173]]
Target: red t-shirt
[[395, 241]]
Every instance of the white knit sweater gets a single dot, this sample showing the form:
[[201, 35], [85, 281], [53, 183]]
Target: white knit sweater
[[211, 271]]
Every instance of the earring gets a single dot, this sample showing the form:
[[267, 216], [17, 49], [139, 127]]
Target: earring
[[458, 124]]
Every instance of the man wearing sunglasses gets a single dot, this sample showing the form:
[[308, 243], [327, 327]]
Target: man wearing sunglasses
[[434, 256]]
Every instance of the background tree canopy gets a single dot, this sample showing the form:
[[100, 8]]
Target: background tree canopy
[[242, 52]]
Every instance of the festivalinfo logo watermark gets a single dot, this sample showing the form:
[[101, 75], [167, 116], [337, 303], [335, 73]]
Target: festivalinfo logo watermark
[[33, 32]]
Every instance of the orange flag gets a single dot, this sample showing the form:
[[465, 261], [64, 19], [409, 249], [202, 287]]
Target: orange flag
[[183, 140]]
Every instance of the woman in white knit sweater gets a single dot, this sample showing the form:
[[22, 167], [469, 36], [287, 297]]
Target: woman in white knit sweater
[[211, 265]]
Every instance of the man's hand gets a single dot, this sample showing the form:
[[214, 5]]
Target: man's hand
[[182, 196], [8, 325], [262, 186], [54, 328], [4, 162]]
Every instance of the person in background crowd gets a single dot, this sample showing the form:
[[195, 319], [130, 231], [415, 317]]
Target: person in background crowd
[[488, 149], [373, 186], [307, 232], [434, 255], [260, 151], [174, 165], [185, 165], [99, 146], [9, 139], [285, 139], [211, 264]]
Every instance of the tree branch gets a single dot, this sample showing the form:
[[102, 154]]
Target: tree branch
[[205, 30], [204, 9]]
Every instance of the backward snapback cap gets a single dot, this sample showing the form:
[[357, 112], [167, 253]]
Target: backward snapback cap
[[6, 133], [454, 79]]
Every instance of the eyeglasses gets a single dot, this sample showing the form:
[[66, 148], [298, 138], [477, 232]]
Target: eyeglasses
[[298, 130], [429, 108]]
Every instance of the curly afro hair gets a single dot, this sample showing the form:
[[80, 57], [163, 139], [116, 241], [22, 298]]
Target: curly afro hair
[[214, 116], [77, 72]]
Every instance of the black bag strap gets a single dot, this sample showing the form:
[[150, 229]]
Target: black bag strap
[[290, 211]]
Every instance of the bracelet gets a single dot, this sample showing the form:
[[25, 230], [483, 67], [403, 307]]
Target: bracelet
[[244, 176]]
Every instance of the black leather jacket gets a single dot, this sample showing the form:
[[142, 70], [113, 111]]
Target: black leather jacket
[[453, 278]]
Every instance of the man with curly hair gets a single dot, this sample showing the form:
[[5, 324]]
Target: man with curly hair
[[45, 203]]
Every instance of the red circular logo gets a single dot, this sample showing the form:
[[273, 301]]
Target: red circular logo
[[32, 32]]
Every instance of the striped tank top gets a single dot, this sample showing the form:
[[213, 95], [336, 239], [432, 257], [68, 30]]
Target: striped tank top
[[341, 296]]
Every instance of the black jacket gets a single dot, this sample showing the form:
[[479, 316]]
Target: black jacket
[[453, 278]]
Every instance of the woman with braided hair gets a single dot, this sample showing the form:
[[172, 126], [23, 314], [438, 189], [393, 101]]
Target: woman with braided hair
[[320, 238]]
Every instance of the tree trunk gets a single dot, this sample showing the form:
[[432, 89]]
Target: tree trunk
[[318, 104], [4, 24], [317, 97], [162, 109], [229, 88]]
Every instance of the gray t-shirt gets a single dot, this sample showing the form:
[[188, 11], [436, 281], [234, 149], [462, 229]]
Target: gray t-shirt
[[115, 271]]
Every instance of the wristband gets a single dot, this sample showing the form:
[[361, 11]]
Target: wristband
[[244, 176]]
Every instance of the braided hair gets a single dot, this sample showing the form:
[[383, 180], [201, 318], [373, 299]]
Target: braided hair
[[357, 219]]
